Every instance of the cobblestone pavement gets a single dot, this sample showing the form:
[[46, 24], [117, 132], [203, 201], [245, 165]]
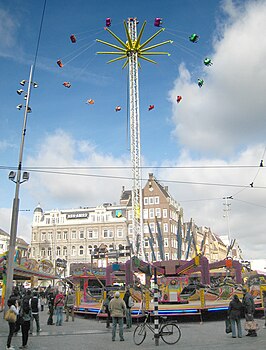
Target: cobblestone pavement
[[90, 334]]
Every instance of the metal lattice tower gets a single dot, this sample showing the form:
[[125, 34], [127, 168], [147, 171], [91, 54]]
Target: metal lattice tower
[[131, 51]]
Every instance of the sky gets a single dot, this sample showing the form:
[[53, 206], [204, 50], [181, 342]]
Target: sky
[[205, 148]]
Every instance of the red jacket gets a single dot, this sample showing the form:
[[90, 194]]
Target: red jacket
[[59, 300]]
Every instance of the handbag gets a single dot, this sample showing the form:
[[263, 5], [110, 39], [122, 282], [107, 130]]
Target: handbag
[[228, 328], [251, 326], [10, 316]]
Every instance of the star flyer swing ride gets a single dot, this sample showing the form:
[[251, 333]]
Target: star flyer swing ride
[[131, 51]]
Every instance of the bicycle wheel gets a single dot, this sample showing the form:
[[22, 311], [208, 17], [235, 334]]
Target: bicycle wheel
[[170, 333], [139, 334]]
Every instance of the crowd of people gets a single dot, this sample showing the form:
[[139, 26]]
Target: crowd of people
[[26, 304]]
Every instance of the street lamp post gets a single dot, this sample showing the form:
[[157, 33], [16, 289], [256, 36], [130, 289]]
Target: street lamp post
[[18, 178]]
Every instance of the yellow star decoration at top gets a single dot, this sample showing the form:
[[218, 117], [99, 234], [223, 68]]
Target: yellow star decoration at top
[[129, 47]]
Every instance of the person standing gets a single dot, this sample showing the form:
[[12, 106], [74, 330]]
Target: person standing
[[13, 306], [69, 305], [234, 313], [117, 309], [129, 303], [50, 298], [59, 303], [26, 316], [35, 305], [106, 303], [249, 307], [264, 307]]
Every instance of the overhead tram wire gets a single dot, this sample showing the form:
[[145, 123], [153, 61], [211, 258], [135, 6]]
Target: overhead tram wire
[[6, 167], [259, 169], [39, 39], [145, 179]]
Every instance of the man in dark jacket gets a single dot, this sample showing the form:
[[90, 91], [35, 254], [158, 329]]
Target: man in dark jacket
[[234, 314], [249, 307], [35, 305]]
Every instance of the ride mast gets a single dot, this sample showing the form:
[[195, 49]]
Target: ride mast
[[132, 50]]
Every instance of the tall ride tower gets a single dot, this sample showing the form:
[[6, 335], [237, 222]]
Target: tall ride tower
[[131, 51]]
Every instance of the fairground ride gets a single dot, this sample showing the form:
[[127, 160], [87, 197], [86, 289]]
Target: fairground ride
[[131, 51]]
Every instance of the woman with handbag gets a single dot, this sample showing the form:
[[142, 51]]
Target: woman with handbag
[[13, 308], [234, 314]]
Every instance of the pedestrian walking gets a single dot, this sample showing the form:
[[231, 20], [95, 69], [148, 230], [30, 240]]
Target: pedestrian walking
[[35, 305], [129, 303], [117, 309], [59, 303], [25, 316], [106, 303], [13, 306], [17, 297], [234, 314], [69, 306], [249, 307]]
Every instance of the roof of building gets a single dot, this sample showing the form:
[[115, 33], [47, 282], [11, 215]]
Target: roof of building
[[3, 233]]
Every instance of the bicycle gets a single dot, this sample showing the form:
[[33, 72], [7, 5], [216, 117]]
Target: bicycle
[[169, 331]]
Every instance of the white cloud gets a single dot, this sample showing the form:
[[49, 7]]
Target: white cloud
[[24, 224], [61, 150], [229, 110], [8, 30]]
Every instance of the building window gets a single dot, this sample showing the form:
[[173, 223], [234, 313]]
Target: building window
[[43, 252], [73, 250], [158, 212], [47, 221], [49, 251], [92, 233], [65, 235], [34, 236], [50, 236], [33, 252], [119, 232], [74, 235], [166, 256], [130, 229], [145, 214], [58, 251], [164, 213], [151, 213], [90, 249], [146, 243], [43, 236], [166, 242], [145, 228], [165, 227], [151, 200], [65, 250], [130, 215], [107, 233], [81, 234], [157, 200], [152, 227], [146, 200], [81, 250], [58, 235]]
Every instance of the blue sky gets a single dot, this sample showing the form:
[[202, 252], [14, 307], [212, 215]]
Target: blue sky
[[221, 124]]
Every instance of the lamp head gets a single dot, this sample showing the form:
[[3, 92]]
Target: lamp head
[[12, 175]]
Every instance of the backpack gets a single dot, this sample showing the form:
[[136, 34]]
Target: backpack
[[25, 305]]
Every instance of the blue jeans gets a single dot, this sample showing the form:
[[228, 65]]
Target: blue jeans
[[120, 321], [239, 328], [59, 315]]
